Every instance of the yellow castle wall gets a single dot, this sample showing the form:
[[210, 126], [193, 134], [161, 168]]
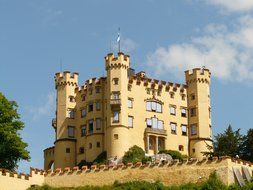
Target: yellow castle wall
[[168, 174], [136, 88]]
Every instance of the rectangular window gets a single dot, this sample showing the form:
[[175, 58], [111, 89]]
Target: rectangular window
[[172, 95], [98, 106], [90, 145], [71, 113], [71, 98], [193, 112], [83, 112], [67, 150], [98, 124], [81, 150], [116, 136], [184, 130], [160, 124], [149, 123], [183, 112], [97, 90], [192, 96], [71, 131], [173, 128], [115, 81], [159, 108], [115, 96], [130, 121], [98, 144], [153, 106], [193, 129], [148, 106], [130, 103], [115, 116], [90, 91], [83, 130], [83, 97], [181, 148], [154, 122], [172, 110], [90, 107], [91, 130]]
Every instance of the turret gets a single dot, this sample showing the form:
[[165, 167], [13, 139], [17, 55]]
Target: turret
[[117, 115], [199, 120], [65, 151]]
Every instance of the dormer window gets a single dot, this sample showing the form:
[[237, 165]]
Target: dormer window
[[172, 94]]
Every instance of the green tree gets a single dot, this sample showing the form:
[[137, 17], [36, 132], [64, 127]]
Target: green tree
[[134, 154], [229, 143], [12, 148], [248, 146]]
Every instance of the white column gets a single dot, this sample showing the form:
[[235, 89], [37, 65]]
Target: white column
[[147, 142], [156, 145]]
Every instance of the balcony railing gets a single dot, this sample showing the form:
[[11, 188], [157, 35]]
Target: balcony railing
[[115, 102], [54, 122], [156, 131]]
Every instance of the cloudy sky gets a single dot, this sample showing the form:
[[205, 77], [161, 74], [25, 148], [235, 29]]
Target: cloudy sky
[[163, 37]]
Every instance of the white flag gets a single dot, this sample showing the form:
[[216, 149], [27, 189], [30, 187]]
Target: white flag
[[118, 39]]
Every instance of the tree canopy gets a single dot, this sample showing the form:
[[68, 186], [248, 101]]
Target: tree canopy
[[12, 147], [229, 143], [248, 146]]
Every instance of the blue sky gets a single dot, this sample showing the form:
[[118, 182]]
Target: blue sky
[[164, 38]]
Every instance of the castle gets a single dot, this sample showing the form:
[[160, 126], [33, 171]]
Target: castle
[[124, 109]]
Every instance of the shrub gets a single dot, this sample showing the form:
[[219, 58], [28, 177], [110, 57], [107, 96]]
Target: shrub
[[134, 154], [101, 158], [174, 154], [213, 183]]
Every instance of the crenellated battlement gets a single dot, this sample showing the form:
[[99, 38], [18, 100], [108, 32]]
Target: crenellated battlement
[[140, 165], [198, 75], [66, 78], [169, 173], [157, 84], [91, 83], [112, 62]]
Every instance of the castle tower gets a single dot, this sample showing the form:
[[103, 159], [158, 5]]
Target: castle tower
[[65, 144], [117, 113], [199, 117]]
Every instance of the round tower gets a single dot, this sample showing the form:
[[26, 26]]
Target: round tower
[[199, 117], [117, 115], [65, 143]]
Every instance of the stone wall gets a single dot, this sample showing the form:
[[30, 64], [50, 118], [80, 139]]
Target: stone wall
[[14, 181], [170, 174], [173, 173]]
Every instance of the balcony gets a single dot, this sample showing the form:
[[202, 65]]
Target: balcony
[[156, 131], [54, 122], [115, 102]]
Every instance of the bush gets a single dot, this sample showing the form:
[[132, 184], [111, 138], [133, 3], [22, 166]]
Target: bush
[[134, 154], [101, 158], [213, 183], [174, 154]]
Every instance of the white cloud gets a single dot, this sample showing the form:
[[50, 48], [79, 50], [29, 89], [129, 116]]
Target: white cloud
[[229, 55], [233, 5], [127, 45], [46, 107]]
